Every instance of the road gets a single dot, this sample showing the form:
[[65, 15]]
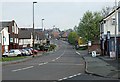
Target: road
[[62, 64], [59, 64]]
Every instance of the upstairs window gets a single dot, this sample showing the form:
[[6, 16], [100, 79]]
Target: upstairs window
[[113, 21]]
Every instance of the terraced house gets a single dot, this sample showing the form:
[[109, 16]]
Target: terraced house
[[9, 35]]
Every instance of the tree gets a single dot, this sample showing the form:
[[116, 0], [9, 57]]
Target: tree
[[105, 11], [88, 27], [72, 37]]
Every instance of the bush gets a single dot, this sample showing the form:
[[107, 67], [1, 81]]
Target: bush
[[52, 47], [41, 47]]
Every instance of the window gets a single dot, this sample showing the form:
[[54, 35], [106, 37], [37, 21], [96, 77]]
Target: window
[[113, 21], [13, 30], [11, 39]]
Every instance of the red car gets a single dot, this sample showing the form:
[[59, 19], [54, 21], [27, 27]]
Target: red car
[[35, 51]]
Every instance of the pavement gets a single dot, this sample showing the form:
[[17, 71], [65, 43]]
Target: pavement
[[102, 66]]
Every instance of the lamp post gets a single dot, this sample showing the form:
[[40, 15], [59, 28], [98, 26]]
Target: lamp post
[[42, 24], [33, 28], [116, 29]]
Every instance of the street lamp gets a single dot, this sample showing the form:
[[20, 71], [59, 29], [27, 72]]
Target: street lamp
[[116, 29], [33, 28], [42, 24]]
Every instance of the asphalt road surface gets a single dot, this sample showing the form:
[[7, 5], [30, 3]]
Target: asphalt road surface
[[60, 65]]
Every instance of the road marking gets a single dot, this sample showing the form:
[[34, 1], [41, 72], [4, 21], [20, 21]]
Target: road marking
[[79, 74], [53, 60], [60, 79], [74, 75], [69, 77], [77, 53], [41, 64], [16, 70], [57, 58], [22, 68], [27, 67], [64, 78], [45, 62]]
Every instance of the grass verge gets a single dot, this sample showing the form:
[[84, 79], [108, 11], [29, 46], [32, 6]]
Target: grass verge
[[11, 58]]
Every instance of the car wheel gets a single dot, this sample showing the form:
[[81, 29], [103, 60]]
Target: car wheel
[[5, 55], [19, 55]]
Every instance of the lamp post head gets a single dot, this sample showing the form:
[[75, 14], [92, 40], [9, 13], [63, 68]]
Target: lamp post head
[[43, 19], [34, 2]]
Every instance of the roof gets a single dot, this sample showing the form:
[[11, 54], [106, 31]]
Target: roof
[[5, 24], [110, 13], [1, 28], [40, 35], [25, 33]]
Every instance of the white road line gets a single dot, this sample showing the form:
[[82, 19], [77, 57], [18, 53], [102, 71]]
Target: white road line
[[60, 79], [78, 53], [27, 67], [74, 75], [79, 74], [41, 64], [69, 77], [57, 58], [45, 62], [16, 70], [64, 78], [22, 68], [53, 60]]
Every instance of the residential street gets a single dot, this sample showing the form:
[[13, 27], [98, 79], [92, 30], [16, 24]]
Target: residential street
[[62, 64]]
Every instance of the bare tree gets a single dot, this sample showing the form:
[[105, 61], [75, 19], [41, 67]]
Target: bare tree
[[105, 11]]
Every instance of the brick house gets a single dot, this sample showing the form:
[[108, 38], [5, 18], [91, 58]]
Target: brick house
[[9, 35]]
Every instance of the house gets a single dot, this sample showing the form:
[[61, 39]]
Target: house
[[55, 33], [107, 33], [9, 35], [26, 37], [64, 36]]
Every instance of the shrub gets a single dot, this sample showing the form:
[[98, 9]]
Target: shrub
[[52, 47]]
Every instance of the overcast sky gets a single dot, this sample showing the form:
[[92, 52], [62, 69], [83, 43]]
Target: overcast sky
[[63, 15]]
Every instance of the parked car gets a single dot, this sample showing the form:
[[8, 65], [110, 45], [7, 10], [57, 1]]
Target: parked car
[[5, 54], [46, 47], [29, 50], [35, 51], [12, 52], [23, 52], [27, 53]]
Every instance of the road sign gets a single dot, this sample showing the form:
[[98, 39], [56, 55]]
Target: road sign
[[93, 53]]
